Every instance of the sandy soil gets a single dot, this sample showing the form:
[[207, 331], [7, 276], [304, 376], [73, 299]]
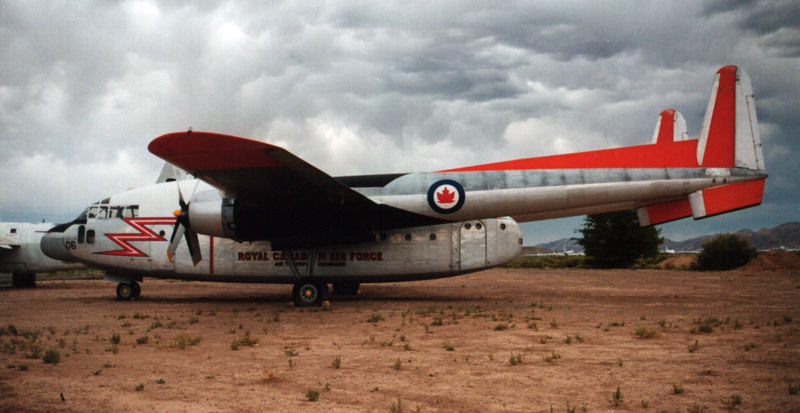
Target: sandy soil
[[575, 332]]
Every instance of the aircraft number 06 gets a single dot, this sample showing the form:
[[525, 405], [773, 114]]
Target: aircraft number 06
[[70, 245]]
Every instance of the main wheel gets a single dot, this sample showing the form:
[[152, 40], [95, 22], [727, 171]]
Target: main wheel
[[309, 293], [124, 291], [136, 289], [346, 288]]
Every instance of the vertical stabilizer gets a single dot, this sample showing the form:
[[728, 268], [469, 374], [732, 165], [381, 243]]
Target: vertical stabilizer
[[670, 127], [748, 139], [729, 137]]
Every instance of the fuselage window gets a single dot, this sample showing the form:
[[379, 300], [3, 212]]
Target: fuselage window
[[90, 236], [81, 234]]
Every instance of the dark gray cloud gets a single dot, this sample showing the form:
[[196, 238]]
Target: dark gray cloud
[[364, 87]]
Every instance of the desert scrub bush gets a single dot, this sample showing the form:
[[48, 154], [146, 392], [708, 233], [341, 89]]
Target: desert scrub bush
[[142, 340], [501, 327], [312, 395], [51, 356], [515, 359], [398, 364], [246, 340], [140, 387], [733, 401], [33, 351], [448, 346], [552, 357], [724, 252], [677, 388], [160, 381], [374, 318], [337, 362], [694, 347], [644, 332], [793, 388], [616, 398], [115, 338], [182, 341]]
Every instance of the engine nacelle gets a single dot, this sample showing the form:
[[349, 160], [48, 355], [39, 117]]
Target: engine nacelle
[[210, 214]]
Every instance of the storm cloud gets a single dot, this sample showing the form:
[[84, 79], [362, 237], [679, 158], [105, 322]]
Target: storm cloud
[[376, 87]]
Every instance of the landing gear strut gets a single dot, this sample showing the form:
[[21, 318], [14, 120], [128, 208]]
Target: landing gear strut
[[127, 291], [309, 293]]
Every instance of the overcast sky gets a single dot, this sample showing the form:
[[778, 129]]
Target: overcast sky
[[362, 87]]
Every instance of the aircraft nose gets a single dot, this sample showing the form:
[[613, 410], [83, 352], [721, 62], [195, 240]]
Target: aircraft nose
[[53, 246]]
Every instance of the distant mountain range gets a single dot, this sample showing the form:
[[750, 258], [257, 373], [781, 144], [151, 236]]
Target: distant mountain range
[[784, 235]]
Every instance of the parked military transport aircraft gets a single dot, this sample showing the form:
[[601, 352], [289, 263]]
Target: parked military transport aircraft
[[259, 214], [21, 255]]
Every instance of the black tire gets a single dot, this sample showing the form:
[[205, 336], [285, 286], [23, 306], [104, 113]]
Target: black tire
[[124, 292], [309, 293], [346, 288], [136, 289], [23, 280]]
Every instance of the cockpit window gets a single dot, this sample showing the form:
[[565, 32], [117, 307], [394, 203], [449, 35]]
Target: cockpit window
[[116, 212], [110, 212], [132, 211]]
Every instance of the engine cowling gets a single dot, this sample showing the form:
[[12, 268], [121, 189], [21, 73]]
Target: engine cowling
[[210, 214]]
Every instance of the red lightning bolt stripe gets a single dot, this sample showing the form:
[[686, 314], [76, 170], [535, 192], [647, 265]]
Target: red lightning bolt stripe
[[145, 234]]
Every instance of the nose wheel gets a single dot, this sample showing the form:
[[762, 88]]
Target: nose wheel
[[127, 291], [307, 293]]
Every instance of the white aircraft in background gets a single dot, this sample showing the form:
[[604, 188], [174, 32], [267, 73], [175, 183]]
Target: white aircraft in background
[[259, 214], [21, 255]]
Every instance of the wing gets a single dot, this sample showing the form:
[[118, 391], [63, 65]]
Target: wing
[[292, 196]]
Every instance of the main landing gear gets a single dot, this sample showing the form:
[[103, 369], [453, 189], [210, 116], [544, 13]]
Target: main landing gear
[[309, 293], [127, 291]]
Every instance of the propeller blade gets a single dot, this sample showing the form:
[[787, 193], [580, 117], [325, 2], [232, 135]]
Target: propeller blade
[[183, 228], [177, 234], [194, 247]]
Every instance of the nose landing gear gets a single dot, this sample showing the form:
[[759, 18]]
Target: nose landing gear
[[128, 291]]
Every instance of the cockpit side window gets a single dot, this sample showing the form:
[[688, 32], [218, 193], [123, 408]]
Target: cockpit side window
[[92, 212], [116, 212], [132, 211], [102, 213]]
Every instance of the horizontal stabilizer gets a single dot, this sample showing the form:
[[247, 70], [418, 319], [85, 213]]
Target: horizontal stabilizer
[[664, 212], [713, 201]]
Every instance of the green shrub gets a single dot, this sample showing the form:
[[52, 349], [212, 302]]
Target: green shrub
[[312, 395], [724, 252], [51, 356]]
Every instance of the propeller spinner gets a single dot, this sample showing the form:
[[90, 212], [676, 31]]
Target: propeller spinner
[[183, 228]]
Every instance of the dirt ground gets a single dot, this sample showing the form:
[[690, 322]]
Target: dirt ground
[[499, 340]]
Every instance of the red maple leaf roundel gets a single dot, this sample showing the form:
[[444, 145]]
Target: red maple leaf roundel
[[446, 197]]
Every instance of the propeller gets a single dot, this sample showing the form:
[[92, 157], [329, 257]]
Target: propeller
[[183, 228]]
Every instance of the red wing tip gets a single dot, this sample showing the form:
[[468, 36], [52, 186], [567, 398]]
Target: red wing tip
[[167, 143]]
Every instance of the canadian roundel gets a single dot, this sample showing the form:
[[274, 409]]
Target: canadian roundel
[[446, 196]]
